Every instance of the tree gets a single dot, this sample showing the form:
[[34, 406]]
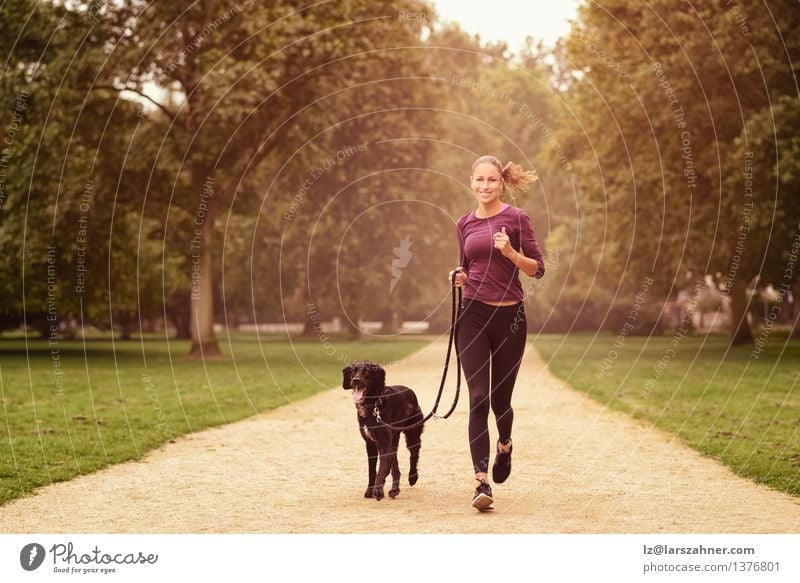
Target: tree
[[245, 81], [662, 101]]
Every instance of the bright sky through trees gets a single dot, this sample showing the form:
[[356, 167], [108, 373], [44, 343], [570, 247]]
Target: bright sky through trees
[[510, 20]]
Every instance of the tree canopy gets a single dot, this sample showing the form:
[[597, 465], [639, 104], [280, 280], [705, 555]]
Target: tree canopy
[[186, 165]]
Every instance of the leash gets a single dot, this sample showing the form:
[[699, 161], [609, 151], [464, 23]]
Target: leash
[[453, 341]]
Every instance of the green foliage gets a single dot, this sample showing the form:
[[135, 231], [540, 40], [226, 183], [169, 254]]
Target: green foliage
[[670, 106], [360, 126]]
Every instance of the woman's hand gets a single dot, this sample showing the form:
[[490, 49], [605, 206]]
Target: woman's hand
[[461, 278], [503, 243]]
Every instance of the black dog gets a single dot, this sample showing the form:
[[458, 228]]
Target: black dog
[[377, 405]]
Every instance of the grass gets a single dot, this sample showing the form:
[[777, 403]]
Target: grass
[[118, 401], [721, 401]]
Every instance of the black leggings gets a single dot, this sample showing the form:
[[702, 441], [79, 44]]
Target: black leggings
[[499, 332]]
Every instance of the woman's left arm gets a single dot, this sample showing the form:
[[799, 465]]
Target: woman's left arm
[[528, 265], [530, 260]]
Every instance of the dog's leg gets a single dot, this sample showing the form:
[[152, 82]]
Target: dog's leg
[[395, 468], [386, 455], [414, 443], [372, 462], [395, 478]]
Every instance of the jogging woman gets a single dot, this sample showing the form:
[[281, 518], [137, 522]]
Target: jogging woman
[[495, 242]]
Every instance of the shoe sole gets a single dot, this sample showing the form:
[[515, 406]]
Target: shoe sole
[[483, 503]]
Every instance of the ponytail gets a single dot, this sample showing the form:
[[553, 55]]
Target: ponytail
[[517, 179]]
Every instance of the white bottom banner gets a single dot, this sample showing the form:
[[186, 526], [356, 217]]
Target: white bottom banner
[[401, 558]]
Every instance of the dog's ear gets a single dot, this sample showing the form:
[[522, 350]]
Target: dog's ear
[[347, 373], [380, 375]]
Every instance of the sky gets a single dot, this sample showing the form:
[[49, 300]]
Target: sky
[[510, 20]]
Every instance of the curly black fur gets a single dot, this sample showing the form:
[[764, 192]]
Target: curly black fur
[[397, 405]]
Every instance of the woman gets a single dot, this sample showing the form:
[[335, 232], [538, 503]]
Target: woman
[[495, 242]]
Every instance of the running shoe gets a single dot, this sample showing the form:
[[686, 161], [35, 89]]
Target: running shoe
[[502, 463], [483, 497]]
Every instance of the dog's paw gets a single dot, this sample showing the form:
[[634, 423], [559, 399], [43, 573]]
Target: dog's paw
[[412, 478], [377, 493], [368, 493], [394, 492]]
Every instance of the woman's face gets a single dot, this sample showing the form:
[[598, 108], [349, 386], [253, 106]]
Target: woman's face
[[486, 183]]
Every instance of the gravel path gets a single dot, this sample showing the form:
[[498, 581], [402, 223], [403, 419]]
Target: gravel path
[[578, 467]]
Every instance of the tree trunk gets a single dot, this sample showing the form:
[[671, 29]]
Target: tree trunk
[[204, 341], [795, 333], [313, 320], [183, 328], [740, 329], [126, 328], [391, 323], [178, 314], [351, 329]]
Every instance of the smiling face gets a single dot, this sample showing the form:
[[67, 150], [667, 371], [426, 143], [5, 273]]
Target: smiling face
[[487, 185]]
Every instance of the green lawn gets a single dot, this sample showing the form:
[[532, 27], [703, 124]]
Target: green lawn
[[720, 401], [115, 402]]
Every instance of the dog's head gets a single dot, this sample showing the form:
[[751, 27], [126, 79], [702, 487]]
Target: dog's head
[[365, 379]]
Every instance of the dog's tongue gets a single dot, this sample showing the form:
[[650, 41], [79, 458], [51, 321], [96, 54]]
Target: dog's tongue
[[358, 394]]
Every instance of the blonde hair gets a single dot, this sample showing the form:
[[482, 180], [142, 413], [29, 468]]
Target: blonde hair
[[514, 178]]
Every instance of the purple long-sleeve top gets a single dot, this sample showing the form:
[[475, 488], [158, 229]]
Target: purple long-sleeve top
[[491, 276]]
